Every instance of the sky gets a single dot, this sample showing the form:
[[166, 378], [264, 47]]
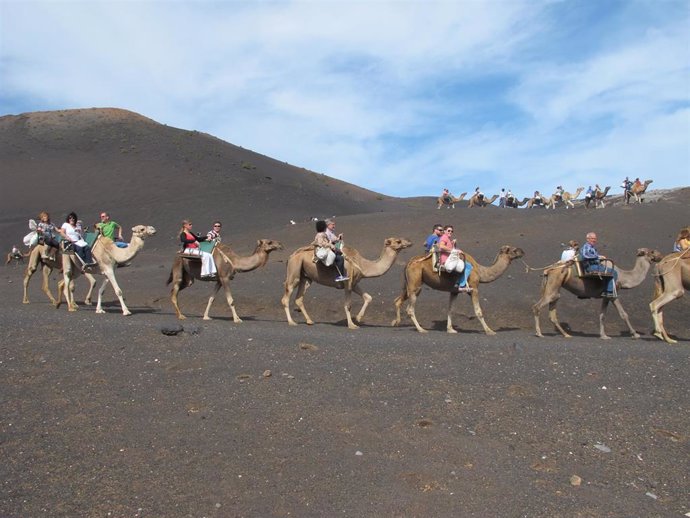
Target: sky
[[400, 97]]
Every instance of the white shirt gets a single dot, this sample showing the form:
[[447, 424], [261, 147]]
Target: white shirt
[[72, 234], [568, 254]]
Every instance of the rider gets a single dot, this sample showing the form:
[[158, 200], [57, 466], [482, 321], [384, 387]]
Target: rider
[[190, 245], [559, 193], [627, 186], [682, 242], [108, 228], [70, 231], [479, 194], [214, 233], [337, 242], [502, 199], [570, 252], [46, 231], [445, 196], [592, 262], [433, 238], [446, 245]]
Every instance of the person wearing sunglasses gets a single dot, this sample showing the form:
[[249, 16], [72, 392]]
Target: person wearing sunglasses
[[70, 232], [452, 260], [190, 246], [433, 238], [214, 233], [110, 229]]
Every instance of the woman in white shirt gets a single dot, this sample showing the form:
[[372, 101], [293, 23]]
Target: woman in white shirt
[[570, 252], [71, 233]]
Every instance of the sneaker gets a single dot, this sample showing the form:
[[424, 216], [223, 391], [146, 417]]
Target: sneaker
[[462, 289], [341, 278], [607, 295]]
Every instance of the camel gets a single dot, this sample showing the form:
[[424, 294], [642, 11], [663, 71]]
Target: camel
[[536, 201], [513, 203], [450, 201], [483, 202], [108, 257], [636, 191], [598, 198], [302, 271], [18, 257], [673, 278], [419, 271], [566, 199], [565, 276], [36, 259], [185, 270]]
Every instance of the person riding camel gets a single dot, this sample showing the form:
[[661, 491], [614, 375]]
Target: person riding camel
[[71, 231], [593, 263], [190, 246], [452, 260], [328, 251], [479, 194], [46, 236], [682, 242], [110, 229], [570, 252], [559, 193], [433, 238], [446, 197]]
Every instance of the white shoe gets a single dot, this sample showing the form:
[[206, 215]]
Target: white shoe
[[341, 278]]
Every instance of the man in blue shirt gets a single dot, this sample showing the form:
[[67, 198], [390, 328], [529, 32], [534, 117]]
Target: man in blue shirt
[[433, 238], [593, 263]]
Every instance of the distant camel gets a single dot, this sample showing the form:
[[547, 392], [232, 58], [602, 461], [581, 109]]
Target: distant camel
[[228, 263], [598, 198], [513, 203], [590, 288], [17, 257], [419, 271], [449, 201], [636, 191], [566, 198], [108, 257], [302, 270], [36, 259], [673, 278], [481, 202], [537, 201]]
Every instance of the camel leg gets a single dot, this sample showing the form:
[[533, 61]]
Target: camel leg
[[602, 317], [657, 314], [101, 290], [553, 317], [449, 321], [536, 310], [173, 298], [211, 299], [398, 304], [285, 301], [366, 298], [68, 291], [348, 306], [92, 285], [299, 300], [231, 302], [110, 275], [411, 313], [478, 312], [624, 316]]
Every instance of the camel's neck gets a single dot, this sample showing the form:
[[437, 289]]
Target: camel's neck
[[123, 255], [632, 278], [493, 272], [378, 267], [247, 263]]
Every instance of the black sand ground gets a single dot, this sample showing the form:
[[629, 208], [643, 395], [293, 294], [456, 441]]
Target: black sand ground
[[106, 416]]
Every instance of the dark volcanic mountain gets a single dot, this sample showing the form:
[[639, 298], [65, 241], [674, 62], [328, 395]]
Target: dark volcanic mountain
[[110, 159]]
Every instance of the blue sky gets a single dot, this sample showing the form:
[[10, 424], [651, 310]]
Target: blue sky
[[403, 97]]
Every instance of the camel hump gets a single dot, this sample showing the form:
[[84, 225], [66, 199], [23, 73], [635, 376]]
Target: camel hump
[[307, 248]]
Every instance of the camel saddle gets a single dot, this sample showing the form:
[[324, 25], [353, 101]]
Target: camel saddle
[[582, 273], [204, 246]]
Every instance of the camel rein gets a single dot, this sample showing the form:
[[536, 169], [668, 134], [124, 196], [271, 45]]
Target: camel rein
[[225, 257], [528, 268], [673, 265]]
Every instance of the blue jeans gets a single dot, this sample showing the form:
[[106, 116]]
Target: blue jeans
[[462, 281], [598, 267]]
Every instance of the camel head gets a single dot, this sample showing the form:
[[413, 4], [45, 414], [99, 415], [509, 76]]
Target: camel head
[[397, 243], [142, 231], [653, 255], [511, 251], [268, 245], [647, 182]]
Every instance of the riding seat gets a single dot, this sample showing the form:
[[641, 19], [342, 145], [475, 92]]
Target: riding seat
[[204, 246], [581, 269]]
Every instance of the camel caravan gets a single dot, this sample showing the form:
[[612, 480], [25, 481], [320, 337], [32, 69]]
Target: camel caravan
[[330, 262], [594, 197]]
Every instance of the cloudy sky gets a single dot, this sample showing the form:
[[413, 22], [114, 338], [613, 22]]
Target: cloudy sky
[[401, 97]]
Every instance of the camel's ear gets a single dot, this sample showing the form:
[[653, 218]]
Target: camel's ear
[[641, 251], [388, 242]]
